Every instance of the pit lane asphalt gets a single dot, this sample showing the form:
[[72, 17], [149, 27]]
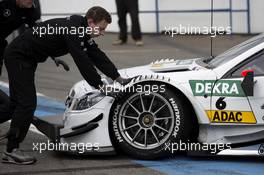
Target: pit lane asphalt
[[55, 83]]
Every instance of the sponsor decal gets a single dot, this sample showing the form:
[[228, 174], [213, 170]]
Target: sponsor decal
[[176, 63], [185, 62], [220, 116], [115, 127], [177, 119], [156, 65], [228, 88]]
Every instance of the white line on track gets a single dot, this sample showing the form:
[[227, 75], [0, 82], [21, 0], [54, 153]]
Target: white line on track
[[140, 50], [32, 127], [6, 85]]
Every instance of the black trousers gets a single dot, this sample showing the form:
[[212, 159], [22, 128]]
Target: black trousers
[[23, 100], [131, 7], [5, 112]]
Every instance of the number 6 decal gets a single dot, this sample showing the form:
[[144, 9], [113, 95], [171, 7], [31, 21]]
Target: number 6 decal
[[220, 103]]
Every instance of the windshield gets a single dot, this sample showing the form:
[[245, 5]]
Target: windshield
[[236, 51]]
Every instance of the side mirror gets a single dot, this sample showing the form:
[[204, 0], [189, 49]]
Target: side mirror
[[248, 82]]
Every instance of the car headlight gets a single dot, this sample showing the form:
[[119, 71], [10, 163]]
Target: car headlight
[[69, 99], [88, 100]]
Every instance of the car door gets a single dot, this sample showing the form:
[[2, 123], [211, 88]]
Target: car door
[[229, 104], [256, 101]]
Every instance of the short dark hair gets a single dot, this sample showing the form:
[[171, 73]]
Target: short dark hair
[[98, 14]]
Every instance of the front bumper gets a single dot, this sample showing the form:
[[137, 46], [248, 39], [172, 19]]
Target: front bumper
[[49, 126], [87, 128]]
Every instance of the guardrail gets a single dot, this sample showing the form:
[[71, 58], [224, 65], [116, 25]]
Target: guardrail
[[157, 13], [228, 10]]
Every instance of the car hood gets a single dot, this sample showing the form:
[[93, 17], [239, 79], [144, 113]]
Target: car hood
[[178, 70]]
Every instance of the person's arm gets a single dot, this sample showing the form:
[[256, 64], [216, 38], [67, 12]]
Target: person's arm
[[83, 61], [102, 62], [3, 44]]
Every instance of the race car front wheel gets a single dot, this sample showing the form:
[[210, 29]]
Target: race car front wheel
[[142, 124]]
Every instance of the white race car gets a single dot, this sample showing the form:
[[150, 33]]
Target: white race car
[[217, 101]]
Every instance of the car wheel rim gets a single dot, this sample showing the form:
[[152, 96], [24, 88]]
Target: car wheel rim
[[146, 120]]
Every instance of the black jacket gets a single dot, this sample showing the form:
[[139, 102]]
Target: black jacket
[[12, 17], [61, 40]]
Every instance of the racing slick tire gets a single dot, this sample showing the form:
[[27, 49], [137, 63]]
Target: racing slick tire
[[145, 124]]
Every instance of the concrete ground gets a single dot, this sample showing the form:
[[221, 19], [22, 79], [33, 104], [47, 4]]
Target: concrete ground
[[55, 82]]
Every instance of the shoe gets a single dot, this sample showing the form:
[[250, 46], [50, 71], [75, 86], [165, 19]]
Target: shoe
[[119, 42], [139, 43], [18, 157]]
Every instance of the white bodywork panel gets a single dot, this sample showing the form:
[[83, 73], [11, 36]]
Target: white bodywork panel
[[257, 101], [185, 75], [77, 118]]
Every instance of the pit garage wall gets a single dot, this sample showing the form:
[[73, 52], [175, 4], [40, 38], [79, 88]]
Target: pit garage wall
[[245, 16]]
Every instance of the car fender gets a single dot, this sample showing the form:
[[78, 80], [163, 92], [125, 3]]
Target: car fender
[[198, 108]]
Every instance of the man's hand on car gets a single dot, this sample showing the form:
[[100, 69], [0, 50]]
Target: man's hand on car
[[112, 90], [123, 81]]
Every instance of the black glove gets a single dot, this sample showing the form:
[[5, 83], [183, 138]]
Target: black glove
[[59, 62], [123, 81], [111, 91]]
